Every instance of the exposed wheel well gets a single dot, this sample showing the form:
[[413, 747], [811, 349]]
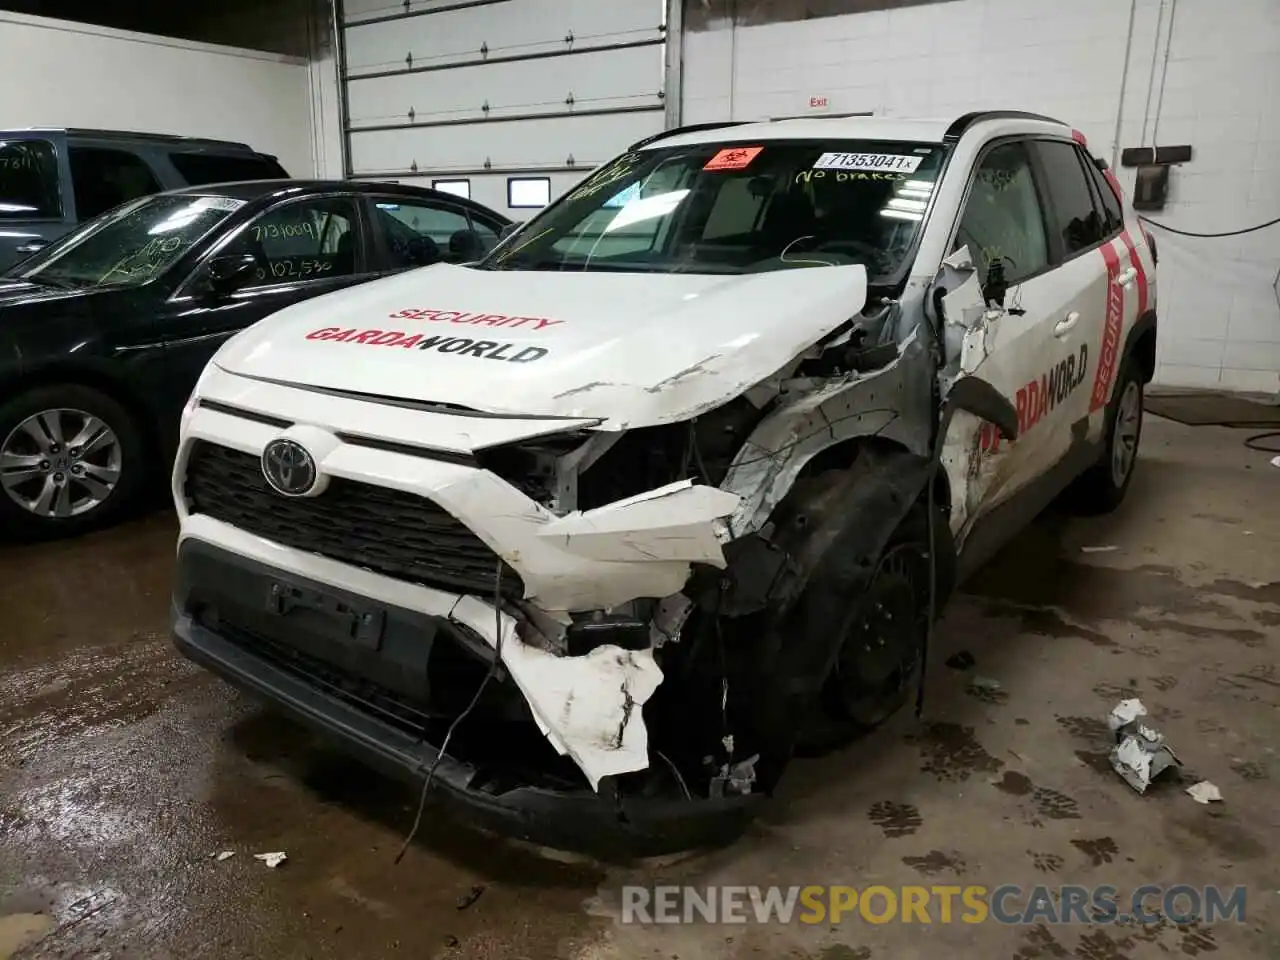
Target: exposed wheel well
[[840, 456], [1143, 352]]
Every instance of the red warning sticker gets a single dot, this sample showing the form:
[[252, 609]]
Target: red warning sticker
[[732, 158]]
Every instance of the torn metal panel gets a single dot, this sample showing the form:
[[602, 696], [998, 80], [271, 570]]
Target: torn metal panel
[[680, 522], [968, 335], [588, 707], [884, 403]]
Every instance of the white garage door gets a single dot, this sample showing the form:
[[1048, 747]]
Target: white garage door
[[509, 102]]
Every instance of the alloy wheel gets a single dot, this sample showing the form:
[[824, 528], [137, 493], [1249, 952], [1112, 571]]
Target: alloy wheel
[[1124, 439], [60, 463]]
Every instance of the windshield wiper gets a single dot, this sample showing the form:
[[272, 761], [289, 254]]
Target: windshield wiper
[[56, 284]]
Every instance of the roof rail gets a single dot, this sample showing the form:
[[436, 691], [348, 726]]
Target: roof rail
[[157, 137], [959, 126], [690, 128]]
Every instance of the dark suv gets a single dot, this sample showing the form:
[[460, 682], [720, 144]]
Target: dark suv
[[53, 179]]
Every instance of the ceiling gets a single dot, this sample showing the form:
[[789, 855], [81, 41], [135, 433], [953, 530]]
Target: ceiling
[[278, 26]]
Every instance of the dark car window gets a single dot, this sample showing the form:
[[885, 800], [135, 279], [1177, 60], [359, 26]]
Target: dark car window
[[201, 168], [419, 233], [130, 245], [301, 240], [1073, 216], [739, 208], [1113, 215], [1003, 221], [104, 178], [29, 180]]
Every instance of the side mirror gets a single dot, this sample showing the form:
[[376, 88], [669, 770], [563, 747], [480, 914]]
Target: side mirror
[[228, 274]]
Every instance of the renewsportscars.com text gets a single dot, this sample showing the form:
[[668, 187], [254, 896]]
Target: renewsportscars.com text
[[1006, 904]]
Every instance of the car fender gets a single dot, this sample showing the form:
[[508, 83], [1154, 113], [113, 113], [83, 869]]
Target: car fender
[[892, 403]]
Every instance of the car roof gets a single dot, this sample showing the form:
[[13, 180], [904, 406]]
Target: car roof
[[251, 190], [135, 136], [930, 130]]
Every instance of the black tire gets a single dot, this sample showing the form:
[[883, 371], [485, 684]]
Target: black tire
[[1102, 487], [883, 637], [85, 507]]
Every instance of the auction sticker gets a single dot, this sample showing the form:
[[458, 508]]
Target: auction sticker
[[884, 162]]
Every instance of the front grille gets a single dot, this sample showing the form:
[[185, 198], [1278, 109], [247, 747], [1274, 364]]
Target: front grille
[[390, 532]]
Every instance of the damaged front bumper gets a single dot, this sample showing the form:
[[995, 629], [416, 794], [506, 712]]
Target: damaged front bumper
[[225, 618]]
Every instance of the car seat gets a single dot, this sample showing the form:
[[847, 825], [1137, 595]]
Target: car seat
[[344, 254], [465, 246], [790, 217]]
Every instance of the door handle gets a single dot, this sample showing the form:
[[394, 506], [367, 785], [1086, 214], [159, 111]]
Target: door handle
[[1125, 277], [35, 246], [1063, 326]]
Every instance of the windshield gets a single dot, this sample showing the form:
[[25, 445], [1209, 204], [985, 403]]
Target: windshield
[[131, 244], [740, 208]]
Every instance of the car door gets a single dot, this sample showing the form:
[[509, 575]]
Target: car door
[[1029, 349], [414, 232], [302, 248], [35, 207], [1131, 270], [1093, 265]]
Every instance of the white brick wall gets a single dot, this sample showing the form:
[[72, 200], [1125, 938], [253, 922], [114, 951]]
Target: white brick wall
[[1220, 319]]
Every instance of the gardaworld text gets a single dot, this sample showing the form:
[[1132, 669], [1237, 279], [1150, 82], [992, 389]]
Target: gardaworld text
[[462, 346]]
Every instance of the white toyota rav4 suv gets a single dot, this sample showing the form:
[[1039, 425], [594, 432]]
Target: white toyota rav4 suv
[[667, 486]]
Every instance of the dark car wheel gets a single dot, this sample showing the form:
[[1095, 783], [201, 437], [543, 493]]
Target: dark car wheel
[[881, 641], [70, 461], [1103, 487]]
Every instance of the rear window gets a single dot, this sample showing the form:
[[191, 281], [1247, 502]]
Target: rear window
[[1110, 202], [29, 180], [199, 169], [1075, 219]]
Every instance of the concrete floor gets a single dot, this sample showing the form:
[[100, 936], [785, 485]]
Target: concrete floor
[[122, 768]]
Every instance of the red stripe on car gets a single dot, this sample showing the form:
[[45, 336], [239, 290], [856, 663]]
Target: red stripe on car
[[1136, 259], [1110, 351]]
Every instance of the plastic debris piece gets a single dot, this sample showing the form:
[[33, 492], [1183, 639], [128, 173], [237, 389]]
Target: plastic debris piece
[[984, 683], [272, 860], [1140, 753], [1106, 549], [224, 855], [1275, 461], [1126, 711], [1204, 792], [470, 897]]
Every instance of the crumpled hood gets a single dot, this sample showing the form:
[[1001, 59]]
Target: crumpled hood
[[631, 349]]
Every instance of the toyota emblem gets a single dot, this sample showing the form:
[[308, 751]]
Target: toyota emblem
[[289, 468]]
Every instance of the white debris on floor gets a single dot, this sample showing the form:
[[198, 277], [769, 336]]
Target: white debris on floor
[[1204, 792], [1140, 753], [272, 860]]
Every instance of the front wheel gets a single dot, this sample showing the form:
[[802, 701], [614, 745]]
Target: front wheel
[[882, 637], [70, 461]]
